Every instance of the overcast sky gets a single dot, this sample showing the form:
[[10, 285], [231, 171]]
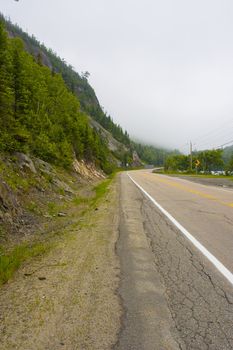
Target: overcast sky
[[163, 69]]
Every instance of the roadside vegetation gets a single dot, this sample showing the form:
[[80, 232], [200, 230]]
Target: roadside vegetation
[[11, 261], [205, 163], [52, 214]]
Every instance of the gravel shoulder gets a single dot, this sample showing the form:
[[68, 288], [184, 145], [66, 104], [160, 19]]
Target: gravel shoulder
[[67, 299], [147, 322]]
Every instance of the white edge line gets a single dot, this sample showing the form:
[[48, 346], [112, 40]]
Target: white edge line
[[224, 271]]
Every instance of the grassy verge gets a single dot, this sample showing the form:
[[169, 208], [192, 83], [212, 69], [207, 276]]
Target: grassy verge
[[12, 260], [101, 190]]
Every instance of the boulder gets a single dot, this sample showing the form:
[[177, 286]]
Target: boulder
[[43, 166], [25, 163]]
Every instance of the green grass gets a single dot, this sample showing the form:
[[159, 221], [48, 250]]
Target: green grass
[[99, 192], [33, 208], [11, 261], [101, 189], [80, 200], [53, 208], [14, 179]]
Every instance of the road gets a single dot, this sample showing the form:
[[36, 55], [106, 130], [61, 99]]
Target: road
[[173, 296]]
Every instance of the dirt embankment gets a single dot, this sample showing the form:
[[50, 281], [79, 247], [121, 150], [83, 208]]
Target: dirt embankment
[[66, 299], [33, 194]]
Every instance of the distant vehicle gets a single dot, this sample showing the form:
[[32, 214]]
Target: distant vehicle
[[218, 172]]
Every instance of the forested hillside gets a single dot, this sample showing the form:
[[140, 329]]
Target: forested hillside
[[89, 104], [151, 154], [76, 84], [42, 67], [39, 114]]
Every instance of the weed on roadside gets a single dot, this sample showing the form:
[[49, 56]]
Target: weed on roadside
[[10, 262]]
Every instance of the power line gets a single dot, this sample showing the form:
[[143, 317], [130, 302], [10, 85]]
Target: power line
[[224, 144], [214, 131], [227, 143], [223, 134], [213, 137]]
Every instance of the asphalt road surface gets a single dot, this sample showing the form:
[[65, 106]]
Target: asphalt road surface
[[173, 296]]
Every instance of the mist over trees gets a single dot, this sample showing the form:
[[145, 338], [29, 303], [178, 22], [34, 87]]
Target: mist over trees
[[45, 66]]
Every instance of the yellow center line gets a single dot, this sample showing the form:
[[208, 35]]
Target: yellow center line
[[189, 189]]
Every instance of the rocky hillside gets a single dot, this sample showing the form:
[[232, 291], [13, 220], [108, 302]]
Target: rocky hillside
[[37, 202], [124, 150], [78, 85]]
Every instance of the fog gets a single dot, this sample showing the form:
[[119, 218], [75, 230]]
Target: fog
[[162, 69]]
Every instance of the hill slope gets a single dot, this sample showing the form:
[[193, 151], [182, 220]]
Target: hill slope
[[38, 113], [89, 104], [77, 84]]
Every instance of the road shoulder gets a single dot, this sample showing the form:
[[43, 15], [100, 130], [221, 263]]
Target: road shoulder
[[67, 298], [147, 323]]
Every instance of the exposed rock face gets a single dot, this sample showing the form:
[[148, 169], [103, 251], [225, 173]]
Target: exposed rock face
[[8, 201], [136, 159], [35, 51], [88, 171], [46, 168], [62, 185], [25, 163], [113, 144], [32, 191], [43, 166]]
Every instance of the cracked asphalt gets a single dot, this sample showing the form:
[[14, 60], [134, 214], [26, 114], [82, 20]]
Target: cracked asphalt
[[172, 296]]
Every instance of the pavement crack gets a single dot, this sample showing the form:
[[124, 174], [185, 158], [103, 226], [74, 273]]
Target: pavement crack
[[199, 302]]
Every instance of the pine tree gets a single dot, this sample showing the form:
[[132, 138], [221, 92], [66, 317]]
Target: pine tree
[[6, 92]]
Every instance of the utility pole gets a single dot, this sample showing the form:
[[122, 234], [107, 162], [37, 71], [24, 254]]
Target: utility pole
[[191, 156]]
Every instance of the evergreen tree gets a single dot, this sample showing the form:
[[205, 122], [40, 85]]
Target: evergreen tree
[[6, 92]]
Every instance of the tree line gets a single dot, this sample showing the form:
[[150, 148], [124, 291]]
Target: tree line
[[204, 161]]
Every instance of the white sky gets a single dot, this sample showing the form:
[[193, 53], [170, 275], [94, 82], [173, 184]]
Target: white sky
[[163, 69]]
